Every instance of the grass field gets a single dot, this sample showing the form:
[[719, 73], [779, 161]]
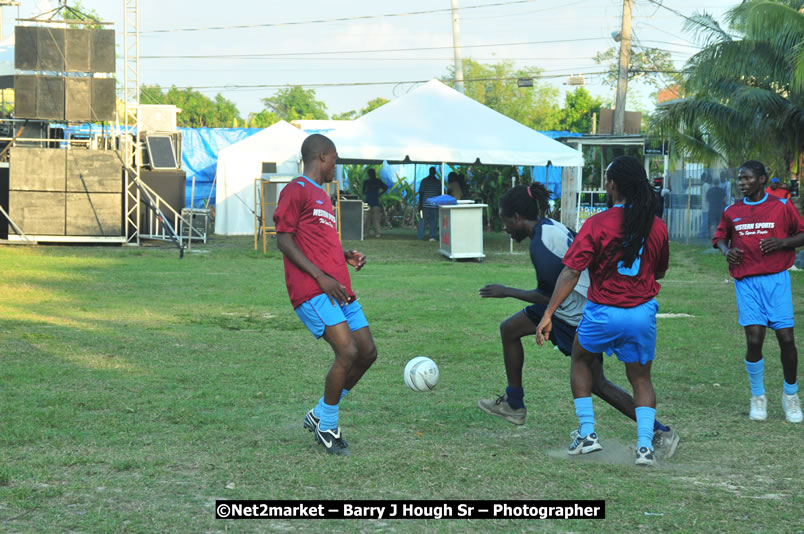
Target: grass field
[[138, 388]]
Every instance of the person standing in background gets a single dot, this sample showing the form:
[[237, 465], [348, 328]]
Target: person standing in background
[[706, 184], [428, 188], [716, 198], [373, 188], [454, 187]]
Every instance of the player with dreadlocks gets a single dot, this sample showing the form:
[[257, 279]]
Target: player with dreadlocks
[[626, 251], [524, 210]]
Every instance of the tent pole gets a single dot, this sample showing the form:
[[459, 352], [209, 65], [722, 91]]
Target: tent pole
[[192, 205], [511, 239]]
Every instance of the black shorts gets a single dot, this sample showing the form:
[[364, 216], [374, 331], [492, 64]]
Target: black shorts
[[563, 333]]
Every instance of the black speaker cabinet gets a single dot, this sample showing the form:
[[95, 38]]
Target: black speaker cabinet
[[77, 103], [39, 97], [25, 49], [77, 49], [39, 48], [102, 58], [102, 106], [73, 98], [25, 95], [64, 50], [50, 98], [351, 220], [171, 186]]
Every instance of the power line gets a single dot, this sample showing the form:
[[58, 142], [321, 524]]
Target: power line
[[691, 43], [328, 52], [299, 55], [441, 59], [563, 6], [236, 87], [396, 82], [340, 19], [683, 16]]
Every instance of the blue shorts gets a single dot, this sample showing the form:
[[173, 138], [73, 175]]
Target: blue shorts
[[563, 333], [766, 300], [318, 313], [628, 332]]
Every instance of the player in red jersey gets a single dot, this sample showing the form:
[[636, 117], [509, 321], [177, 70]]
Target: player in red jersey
[[626, 251], [775, 188], [759, 235], [318, 284]]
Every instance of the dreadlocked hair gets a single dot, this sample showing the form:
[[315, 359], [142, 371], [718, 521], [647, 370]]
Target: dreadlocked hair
[[530, 202], [756, 167], [639, 204]]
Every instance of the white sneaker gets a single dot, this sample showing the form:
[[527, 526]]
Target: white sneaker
[[792, 408], [759, 408]]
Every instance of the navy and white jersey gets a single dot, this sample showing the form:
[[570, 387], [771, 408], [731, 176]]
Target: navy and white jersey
[[548, 244]]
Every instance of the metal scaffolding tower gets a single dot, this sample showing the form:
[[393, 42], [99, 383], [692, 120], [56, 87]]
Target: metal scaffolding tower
[[131, 96]]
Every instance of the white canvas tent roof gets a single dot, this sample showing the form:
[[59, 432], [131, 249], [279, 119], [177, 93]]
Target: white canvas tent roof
[[436, 124], [241, 163]]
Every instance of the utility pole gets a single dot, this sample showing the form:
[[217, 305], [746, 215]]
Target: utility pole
[[456, 46], [622, 75]]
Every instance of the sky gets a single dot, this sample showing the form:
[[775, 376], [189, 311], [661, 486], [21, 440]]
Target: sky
[[352, 51]]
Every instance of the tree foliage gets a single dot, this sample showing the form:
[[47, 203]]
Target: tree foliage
[[495, 86], [744, 88], [295, 103], [579, 107], [371, 105], [79, 12], [197, 110], [649, 65]]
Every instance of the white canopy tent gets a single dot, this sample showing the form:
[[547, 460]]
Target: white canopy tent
[[435, 124], [241, 163]]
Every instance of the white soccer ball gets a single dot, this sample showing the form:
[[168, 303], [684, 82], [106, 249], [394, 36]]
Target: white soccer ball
[[421, 374]]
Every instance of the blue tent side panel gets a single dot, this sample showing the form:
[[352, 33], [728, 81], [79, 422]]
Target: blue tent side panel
[[199, 158], [551, 179]]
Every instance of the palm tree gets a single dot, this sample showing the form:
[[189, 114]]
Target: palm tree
[[745, 89]]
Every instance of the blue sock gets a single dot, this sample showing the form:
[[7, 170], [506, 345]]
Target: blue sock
[[645, 418], [586, 415], [515, 396], [756, 376], [658, 426], [329, 417], [790, 389], [317, 408]]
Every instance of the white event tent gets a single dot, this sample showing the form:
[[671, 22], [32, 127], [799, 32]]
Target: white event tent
[[241, 163], [435, 124]]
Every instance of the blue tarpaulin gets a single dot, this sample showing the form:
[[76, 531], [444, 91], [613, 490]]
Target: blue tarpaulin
[[199, 158]]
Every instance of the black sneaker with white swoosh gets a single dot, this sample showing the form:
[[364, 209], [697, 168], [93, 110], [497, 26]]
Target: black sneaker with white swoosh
[[333, 441], [311, 421]]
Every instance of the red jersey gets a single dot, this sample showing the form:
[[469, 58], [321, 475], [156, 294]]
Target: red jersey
[[599, 238], [779, 192], [744, 224], [304, 210]]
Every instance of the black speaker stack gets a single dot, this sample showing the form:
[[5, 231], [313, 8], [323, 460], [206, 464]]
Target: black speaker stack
[[62, 81]]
